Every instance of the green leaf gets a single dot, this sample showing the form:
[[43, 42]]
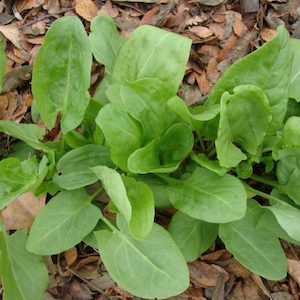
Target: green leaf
[[122, 133], [105, 41], [255, 248], [163, 155], [294, 91], [61, 74], [2, 61], [100, 93], [142, 204], [244, 120], [209, 197], [18, 177], [151, 52], [212, 165], [148, 268], [63, 223], [291, 132], [73, 169], [31, 134], [193, 116], [272, 76], [115, 189], [193, 237], [24, 275], [146, 101]]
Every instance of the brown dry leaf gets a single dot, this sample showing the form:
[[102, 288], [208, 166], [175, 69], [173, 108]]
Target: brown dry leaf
[[222, 254], [35, 29], [9, 104], [109, 9], [37, 40], [190, 94], [294, 269], [267, 34], [235, 268], [206, 274], [88, 266], [12, 33], [150, 16], [16, 78], [239, 28], [80, 290], [201, 31], [193, 21], [86, 9], [21, 213], [210, 2], [203, 83], [212, 73], [70, 256], [207, 52], [52, 6], [218, 30], [227, 46], [28, 4]]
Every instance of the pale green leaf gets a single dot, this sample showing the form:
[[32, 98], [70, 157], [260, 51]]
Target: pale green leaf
[[294, 91], [63, 223], [61, 74], [192, 236]]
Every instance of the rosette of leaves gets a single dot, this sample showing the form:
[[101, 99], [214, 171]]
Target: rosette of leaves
[[138, 142]]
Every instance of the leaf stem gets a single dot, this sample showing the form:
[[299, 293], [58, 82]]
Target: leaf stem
[[262, 194], [108, 224], [96, 193], [264, 180]]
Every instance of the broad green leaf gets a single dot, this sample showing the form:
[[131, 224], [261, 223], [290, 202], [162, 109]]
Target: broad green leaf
[[294, 91], [122, 133], [151, 52], [244, 120], [146, 101], [272, 76], [142, 204], [105, 41], [2, 61], [61, 74], [193, 116], [18, 177], [24, 275], [115, 189], [209, 197], [212, 165], [63, 223], [269, 222], [100, 93], [163, 155], [149, 268], [74, 139], [291, 132], [192, 236], [288, 175], [255, 248], [31, 134], [73, 169]]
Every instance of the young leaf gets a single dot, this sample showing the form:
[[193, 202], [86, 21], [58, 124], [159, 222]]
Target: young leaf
[[115, 189], [63, 223], [23, 274], [272, 76], [151, 52], [294, 91], [291, 132], [122, 133], [148, 268], [31, 134], [209, 197], [244, 120], [146, 101], [61, 74], [105, 41], [18, 177], [163, 155], [2, 61], [142, 204], [73, 169], [255, 248], [192, 236]]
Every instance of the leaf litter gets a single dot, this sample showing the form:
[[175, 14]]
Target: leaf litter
[[221, 33]]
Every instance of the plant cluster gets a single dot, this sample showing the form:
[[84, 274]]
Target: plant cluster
[[230, 167]]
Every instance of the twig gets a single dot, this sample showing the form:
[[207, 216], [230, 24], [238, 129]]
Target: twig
[[46, 17]]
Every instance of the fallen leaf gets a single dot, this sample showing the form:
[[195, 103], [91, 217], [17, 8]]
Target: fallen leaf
[[109, 9], [103, 281], [221, 254], [12, 33], [21, 213], [70, 256], [239, 28], [8, 104], [294, 269], [190, 94], [203, 83], [28, 4], [236, 269], [80, 291], [210, 2], [5, 18], [149, 16], [246, 289], [212, 73], [52, 6], [267, 34], [37, 40], [86, 9], [207, 52], [218, 30], [16, 78], [250, 6], [201, 31], [206, 274], [281, 296], [196, 20], [35, 29]]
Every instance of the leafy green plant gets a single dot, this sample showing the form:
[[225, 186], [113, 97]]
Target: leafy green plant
[[231, 167]]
